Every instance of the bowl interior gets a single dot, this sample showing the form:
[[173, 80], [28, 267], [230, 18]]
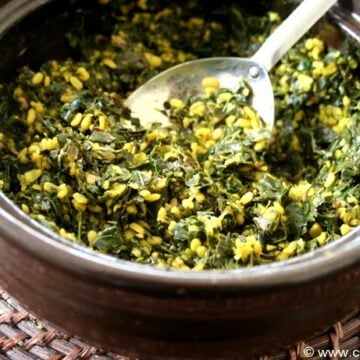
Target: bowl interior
[[25, 39]]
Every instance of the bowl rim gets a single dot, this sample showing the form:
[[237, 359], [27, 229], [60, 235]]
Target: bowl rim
[[24, 232]]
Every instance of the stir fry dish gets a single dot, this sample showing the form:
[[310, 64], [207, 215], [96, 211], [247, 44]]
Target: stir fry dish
[[215, 189]]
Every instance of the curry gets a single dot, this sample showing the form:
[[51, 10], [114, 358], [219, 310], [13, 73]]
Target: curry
[[215, 190]]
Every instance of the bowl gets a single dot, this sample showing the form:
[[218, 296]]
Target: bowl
[[146, 312]]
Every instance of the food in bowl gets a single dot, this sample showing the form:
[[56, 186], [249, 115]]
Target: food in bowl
[[207, 192]]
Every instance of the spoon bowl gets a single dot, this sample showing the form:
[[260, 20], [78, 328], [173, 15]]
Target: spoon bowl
[[184, 80]]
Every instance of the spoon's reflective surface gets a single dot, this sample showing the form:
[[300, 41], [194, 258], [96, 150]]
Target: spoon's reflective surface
[[184, 80]]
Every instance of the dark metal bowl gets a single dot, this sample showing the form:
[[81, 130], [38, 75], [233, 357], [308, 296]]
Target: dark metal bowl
[[140, 310]]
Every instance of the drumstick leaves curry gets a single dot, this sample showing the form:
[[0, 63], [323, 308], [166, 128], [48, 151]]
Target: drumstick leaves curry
[[215, 190]]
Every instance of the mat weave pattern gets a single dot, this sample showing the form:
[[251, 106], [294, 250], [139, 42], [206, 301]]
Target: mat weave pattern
[[23, 337]]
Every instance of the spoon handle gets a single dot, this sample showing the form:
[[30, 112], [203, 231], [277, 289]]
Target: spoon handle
[[290, 31]]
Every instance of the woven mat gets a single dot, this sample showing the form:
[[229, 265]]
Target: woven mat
[[24, 337]]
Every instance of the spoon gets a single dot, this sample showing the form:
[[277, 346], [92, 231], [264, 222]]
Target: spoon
[[146, 103]]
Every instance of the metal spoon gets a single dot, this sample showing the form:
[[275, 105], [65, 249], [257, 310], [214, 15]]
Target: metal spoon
[[179, 81]]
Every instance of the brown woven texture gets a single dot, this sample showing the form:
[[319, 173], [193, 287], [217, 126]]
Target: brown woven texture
[[24, 337]]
